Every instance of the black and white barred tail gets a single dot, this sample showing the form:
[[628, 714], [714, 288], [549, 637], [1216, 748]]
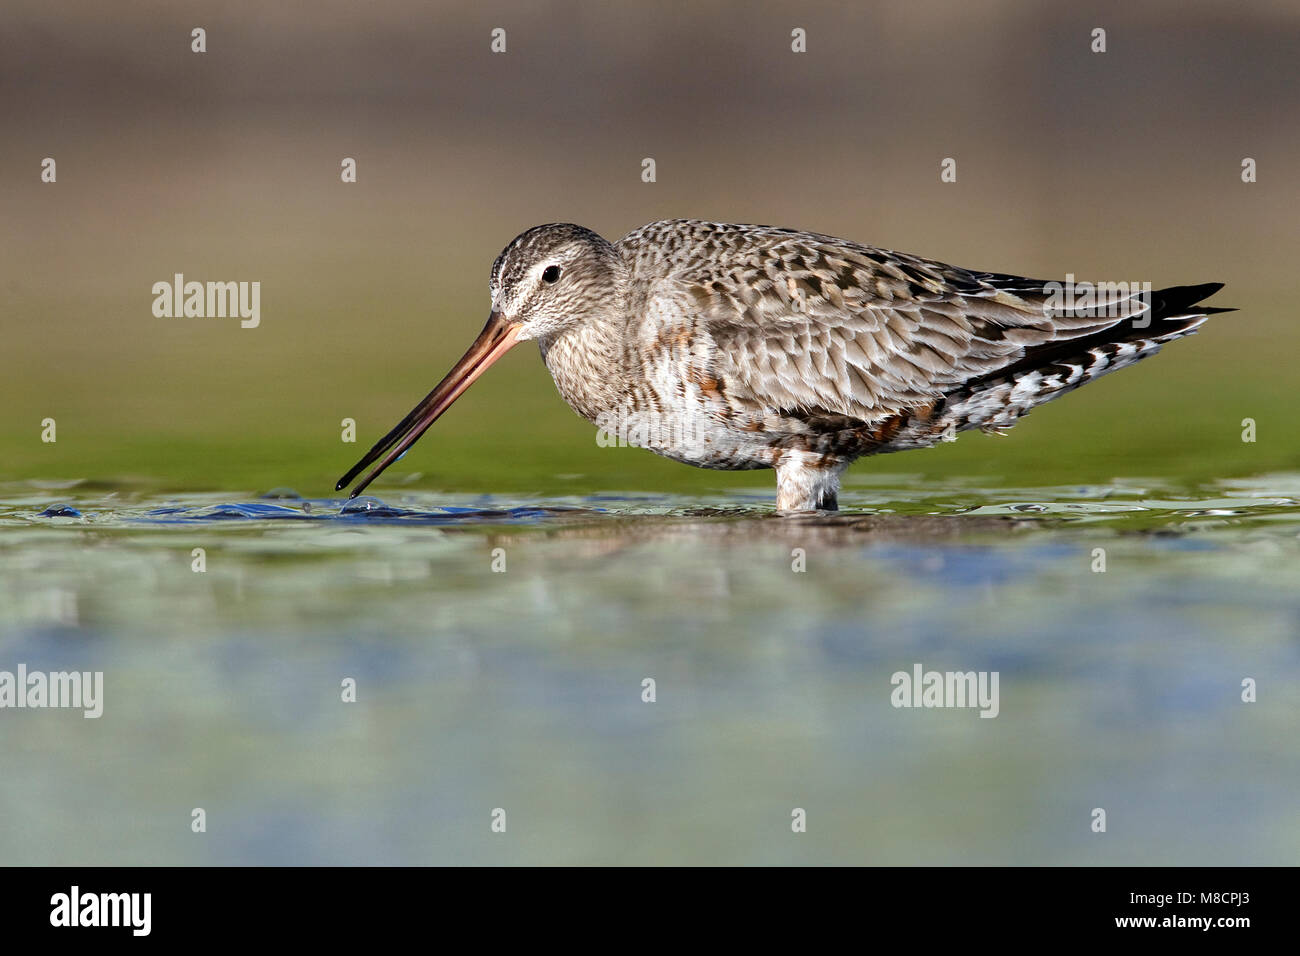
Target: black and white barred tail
[[995, 402]]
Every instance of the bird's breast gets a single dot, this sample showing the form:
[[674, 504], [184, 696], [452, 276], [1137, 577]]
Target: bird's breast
[[655, 387]]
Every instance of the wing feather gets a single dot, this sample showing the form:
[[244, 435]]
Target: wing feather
[[812, 323]]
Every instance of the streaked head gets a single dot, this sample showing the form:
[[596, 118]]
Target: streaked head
[[554, 277], [549, 279]]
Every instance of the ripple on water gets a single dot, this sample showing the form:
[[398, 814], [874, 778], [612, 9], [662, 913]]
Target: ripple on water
[[1145, 506], [1125, 682]]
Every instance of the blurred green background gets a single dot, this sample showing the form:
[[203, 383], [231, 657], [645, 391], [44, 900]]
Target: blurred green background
[[225, 166]]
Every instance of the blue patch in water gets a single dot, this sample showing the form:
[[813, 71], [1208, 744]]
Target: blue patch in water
[[226, 512], [364, 509], [60, 511], [968, 566], [249, 510]]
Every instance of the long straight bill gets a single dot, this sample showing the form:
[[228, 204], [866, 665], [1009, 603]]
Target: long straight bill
[[496, 339]]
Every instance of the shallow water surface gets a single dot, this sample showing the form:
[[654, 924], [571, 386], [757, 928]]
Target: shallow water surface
[[500, 649]]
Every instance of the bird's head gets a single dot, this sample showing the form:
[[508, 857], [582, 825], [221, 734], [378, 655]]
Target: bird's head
[[553, 278], [549, 280]]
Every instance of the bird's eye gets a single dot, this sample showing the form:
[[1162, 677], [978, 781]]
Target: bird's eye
[[550, 273]]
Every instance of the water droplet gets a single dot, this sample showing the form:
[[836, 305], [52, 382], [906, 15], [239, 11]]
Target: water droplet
[[366, 505]]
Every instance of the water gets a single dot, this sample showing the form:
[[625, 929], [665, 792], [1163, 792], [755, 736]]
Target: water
[[521, 688]]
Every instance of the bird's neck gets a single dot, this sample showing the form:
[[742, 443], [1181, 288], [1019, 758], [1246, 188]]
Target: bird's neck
[[590, 365]]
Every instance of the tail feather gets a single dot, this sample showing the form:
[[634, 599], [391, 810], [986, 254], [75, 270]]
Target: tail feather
[[1178, 300], [995, 401], [1171, 313]]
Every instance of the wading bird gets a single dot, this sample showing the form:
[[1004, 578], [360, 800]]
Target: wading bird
[[740, 347]]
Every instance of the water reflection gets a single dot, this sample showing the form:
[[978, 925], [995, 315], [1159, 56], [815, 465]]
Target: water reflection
[[500, 649]]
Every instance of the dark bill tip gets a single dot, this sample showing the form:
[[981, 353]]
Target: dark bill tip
[[497, 338]]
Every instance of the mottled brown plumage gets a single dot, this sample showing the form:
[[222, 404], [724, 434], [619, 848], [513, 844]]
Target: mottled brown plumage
[[737, 347]]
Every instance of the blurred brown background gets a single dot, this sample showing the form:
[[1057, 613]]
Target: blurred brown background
[[225, 166]]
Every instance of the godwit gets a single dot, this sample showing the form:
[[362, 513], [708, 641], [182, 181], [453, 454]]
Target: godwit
[[739, 347]]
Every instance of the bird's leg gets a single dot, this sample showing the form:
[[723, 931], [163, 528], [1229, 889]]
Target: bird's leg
[[807, 482]]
